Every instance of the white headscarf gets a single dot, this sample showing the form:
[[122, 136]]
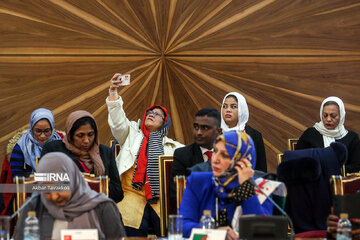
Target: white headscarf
[[243, 113], [339, 131]]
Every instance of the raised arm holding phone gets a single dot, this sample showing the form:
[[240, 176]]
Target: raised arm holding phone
[[142, 142]]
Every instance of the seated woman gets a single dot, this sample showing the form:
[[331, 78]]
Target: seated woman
[[331, 128], [82, 146], [234, 116], [79, 208], [30, 144], [227, 190], [142, 143]]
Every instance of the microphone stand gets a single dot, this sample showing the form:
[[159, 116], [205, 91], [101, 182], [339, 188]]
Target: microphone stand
[[24, 205], [251, 180]]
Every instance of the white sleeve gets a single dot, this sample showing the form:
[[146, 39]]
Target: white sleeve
[[118, 122]]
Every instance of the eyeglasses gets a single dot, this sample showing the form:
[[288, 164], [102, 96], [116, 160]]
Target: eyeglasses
[[156, 114], [46, 132]]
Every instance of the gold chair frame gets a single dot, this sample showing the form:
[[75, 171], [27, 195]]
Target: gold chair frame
[[292, 143], [280, 158], [339, 181], [103, 182], [163, 175], [180, 182], [116, 151]]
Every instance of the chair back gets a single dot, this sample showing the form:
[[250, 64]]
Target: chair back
[[292, 143], [165, 163], [98, 184], [180, 182], [115, 146], [21, 192], [346, 185], [280, 157]]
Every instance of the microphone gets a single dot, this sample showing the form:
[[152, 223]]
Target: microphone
[[24, 205], [251, 180]]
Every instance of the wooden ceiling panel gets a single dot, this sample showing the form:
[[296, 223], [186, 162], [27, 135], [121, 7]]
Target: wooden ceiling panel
[[292, 29], [283, 56], [43, 27]]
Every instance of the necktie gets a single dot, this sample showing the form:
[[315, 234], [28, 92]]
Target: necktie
[[209, 155]]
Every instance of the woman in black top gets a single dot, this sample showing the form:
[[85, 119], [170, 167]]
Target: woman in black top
[[81, 144], [234, 116], [331, 128]]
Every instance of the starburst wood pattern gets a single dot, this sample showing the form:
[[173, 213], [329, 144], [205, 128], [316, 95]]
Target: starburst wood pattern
[[283, 56]]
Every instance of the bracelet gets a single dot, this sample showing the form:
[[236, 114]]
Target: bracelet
[[112, 93]]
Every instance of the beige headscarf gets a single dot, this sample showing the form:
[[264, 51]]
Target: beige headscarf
[[91, 159]]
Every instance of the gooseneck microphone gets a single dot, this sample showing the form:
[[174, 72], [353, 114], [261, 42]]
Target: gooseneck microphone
[[251, 180]]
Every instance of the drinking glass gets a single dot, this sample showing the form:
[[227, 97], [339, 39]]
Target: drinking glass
[[175, 229]]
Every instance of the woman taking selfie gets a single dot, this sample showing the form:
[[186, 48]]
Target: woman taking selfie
[[227, 191], [79, 208], [330, 129], [234, 116], [142, 142], [30, 144], [81, 144]]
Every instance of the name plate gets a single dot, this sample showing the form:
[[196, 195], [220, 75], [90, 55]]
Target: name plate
[[79, 234], [207, 234]]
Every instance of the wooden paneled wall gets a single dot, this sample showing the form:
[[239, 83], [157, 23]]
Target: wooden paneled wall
[[285, 57]]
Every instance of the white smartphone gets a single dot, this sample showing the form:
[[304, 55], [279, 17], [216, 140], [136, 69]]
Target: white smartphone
[[125, 79]]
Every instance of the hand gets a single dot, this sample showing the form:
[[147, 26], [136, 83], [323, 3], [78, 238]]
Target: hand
[[356, 232], [331, 223], [243, 167], [230, 235], [114, 84]]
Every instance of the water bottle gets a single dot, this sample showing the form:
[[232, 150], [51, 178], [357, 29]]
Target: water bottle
[[31, 229], [207, 221], [344, 228]]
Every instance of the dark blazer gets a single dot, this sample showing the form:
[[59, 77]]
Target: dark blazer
[[311, 138], [107, 156], [259, 147], [184, 157]]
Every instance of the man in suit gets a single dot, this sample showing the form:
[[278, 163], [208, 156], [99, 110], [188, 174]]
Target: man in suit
[[206, 130]]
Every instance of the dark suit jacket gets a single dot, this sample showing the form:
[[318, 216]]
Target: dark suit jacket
[[259, 147], [107, 156], [311, 138], [184, 157]]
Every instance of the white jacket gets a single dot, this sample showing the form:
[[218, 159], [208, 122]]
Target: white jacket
[[129, 136]]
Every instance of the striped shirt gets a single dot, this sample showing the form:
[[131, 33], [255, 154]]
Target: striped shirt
[[17, 163]]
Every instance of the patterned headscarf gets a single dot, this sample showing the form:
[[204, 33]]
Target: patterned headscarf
[[30, 147], [238, 145], [243, 113], [339, 132]]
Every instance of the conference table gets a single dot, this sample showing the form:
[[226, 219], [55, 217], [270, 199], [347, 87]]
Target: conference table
[[154, 238]]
